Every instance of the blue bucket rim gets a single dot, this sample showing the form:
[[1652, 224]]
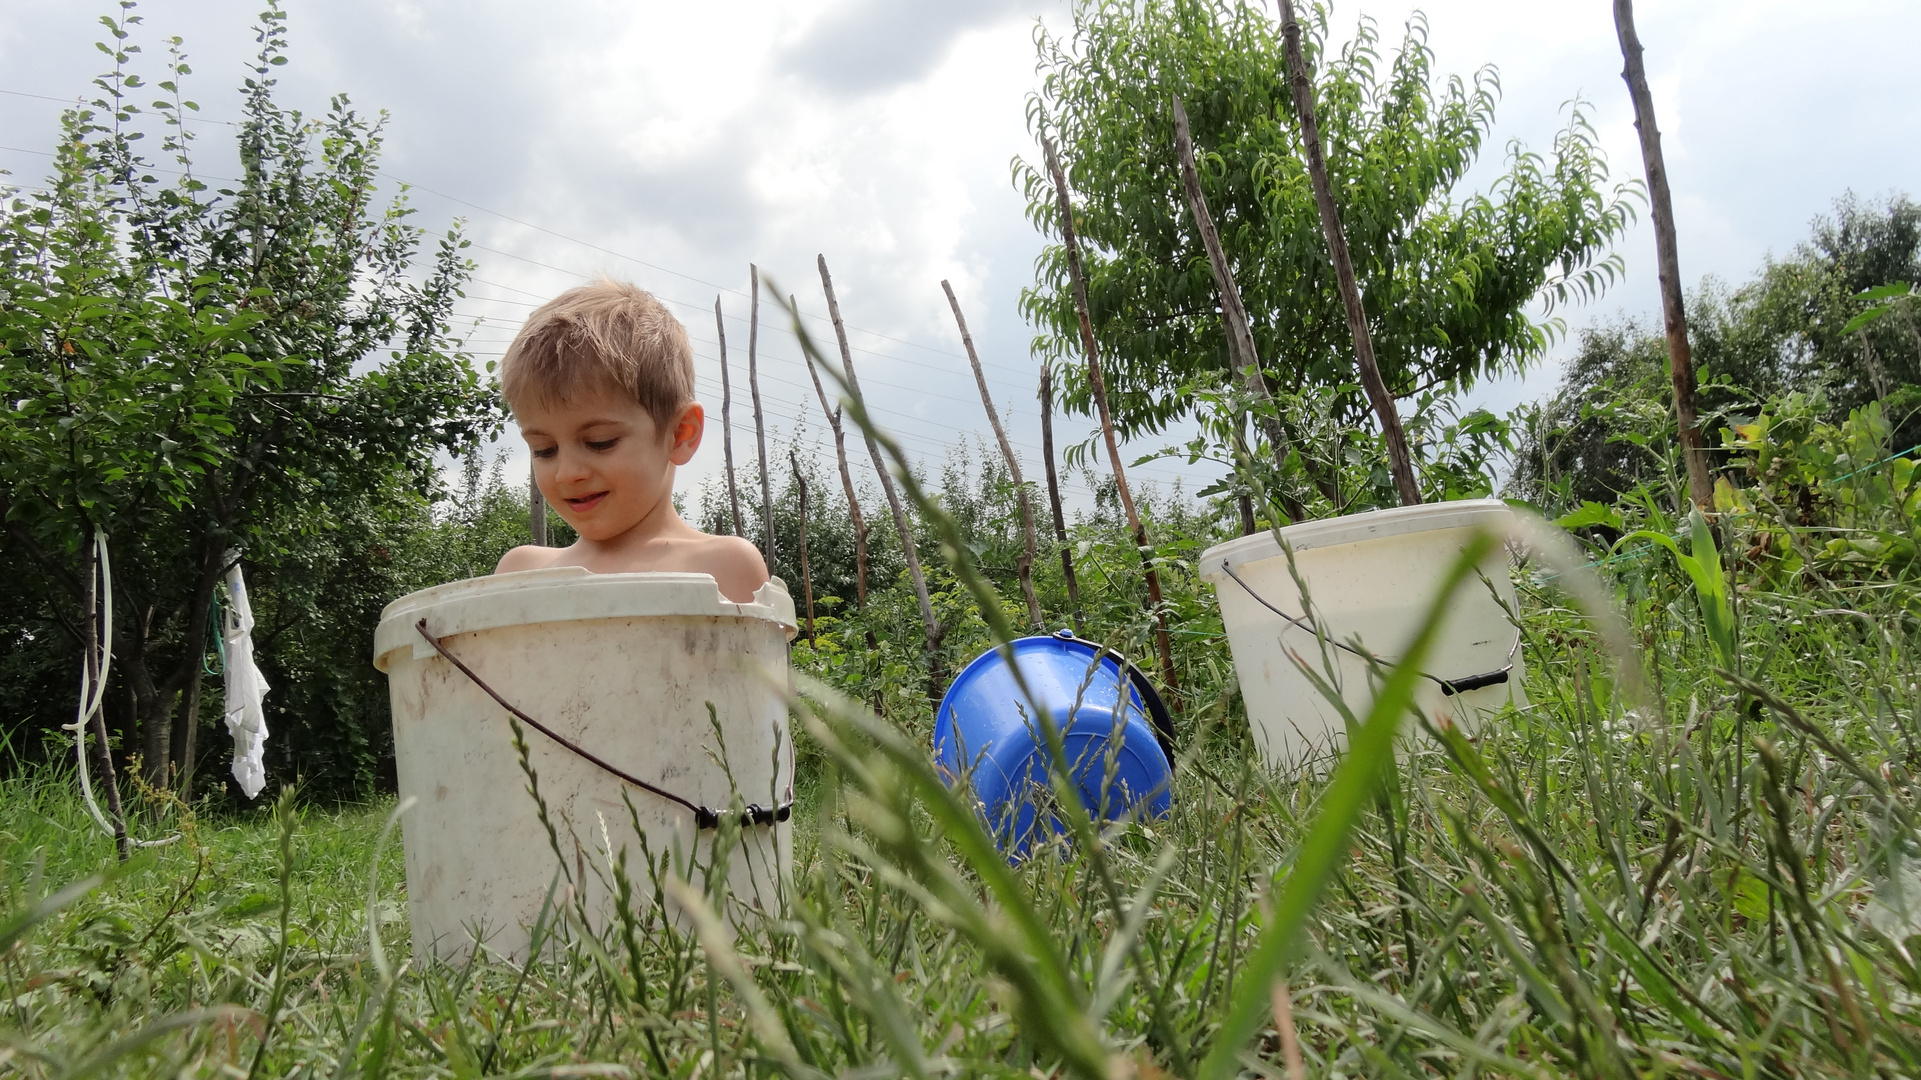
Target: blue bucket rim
[[1159, 719]]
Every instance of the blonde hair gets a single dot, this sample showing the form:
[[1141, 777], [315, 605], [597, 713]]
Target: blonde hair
[[609, 330]]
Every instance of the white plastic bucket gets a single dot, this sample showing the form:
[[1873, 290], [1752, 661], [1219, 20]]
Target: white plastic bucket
[[1369, 577], [621, 665]]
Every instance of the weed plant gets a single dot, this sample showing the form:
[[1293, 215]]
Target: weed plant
[[1694, 853]]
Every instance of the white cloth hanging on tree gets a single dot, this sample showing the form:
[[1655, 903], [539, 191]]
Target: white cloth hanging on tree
[[246, 687]]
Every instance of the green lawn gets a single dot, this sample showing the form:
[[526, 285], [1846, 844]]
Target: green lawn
[[1720, 882]]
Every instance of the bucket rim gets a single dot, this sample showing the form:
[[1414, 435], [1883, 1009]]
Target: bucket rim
[[1352, 529], [566, 594], [1154, 709]]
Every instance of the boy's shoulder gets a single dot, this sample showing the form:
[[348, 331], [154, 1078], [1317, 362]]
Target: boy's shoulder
[[526, 557], [734, 562]]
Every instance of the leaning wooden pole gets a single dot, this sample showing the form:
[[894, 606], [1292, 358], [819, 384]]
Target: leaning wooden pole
[[1025, 565], [806, 576], [1667, 259], [1399, 460], [1099, 391], [1241, 353], [935, 677], [727, 419], [847, 485], [760, 424], [1054, 496]]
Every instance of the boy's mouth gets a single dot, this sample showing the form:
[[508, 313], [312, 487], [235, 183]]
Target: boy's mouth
[[587, 502]]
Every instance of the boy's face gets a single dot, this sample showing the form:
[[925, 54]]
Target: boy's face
[[602, 461]]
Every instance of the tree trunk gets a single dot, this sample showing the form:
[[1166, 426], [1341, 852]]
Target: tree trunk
[[150, 704], [186, 729], [536, 508], [1241, 353], [1399, 460], [1667, 258], [727, 420], [935, 677], [806, 576], [1054, 495], [1025, 566], [1099, 390], [760, 424]]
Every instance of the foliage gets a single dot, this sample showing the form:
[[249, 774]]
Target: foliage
[[1448, 278], [1833, 322], [200, 371], [1692, 853], [1699, 883], [1797, 325], [1456, 454], [1858, 501], [1599, 434]]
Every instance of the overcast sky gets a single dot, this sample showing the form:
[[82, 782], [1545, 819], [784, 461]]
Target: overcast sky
[[674, 143]]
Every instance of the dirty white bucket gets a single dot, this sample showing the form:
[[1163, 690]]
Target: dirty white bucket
[[1370, 577], [621, 665]]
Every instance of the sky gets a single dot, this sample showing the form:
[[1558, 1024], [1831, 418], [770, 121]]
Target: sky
[[673, 144]]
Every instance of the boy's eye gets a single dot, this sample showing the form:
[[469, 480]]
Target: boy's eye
[[546, 452], [603, 445]]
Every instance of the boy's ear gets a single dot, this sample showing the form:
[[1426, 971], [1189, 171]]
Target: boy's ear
[[689, 425]]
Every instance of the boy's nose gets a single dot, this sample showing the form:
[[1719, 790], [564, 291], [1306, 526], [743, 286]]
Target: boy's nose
[[571, 468]]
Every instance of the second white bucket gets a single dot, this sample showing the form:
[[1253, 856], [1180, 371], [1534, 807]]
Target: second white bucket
[[623, 666], [1370, 577]]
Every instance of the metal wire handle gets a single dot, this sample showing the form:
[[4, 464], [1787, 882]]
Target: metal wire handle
[[1449, 687], [704, 817]]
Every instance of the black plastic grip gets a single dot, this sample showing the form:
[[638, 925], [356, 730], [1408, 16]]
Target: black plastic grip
[[1451, 687]]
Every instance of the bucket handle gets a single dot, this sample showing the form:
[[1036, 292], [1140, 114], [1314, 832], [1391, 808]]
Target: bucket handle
[[1449, 687], [1157, 714], [704, 817]]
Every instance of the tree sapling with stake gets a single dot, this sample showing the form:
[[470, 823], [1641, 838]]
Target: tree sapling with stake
[[1098, 388]]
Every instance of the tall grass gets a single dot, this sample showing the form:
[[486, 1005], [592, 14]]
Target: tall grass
[[1717, 874]]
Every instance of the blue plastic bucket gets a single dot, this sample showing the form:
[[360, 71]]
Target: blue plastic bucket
[[987, 734]]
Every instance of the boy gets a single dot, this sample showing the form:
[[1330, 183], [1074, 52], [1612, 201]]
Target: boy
[[601, 381]]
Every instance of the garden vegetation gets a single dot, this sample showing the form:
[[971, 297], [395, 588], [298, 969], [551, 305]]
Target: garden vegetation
[[1694, 853]]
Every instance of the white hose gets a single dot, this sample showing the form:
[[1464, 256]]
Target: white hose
[[93, 693]]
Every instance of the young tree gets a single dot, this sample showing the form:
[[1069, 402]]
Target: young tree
[[1448, 278], [197, 372]]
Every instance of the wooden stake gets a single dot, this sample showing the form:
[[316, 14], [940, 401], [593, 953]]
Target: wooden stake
[[1667, 259], [847, 485], [935, 631], [806, 578], [1241, 354], [536, 508], [1399, 460], [760, 425], [1099, 391], [727, 419], [1054, 495], [1025, 566]]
